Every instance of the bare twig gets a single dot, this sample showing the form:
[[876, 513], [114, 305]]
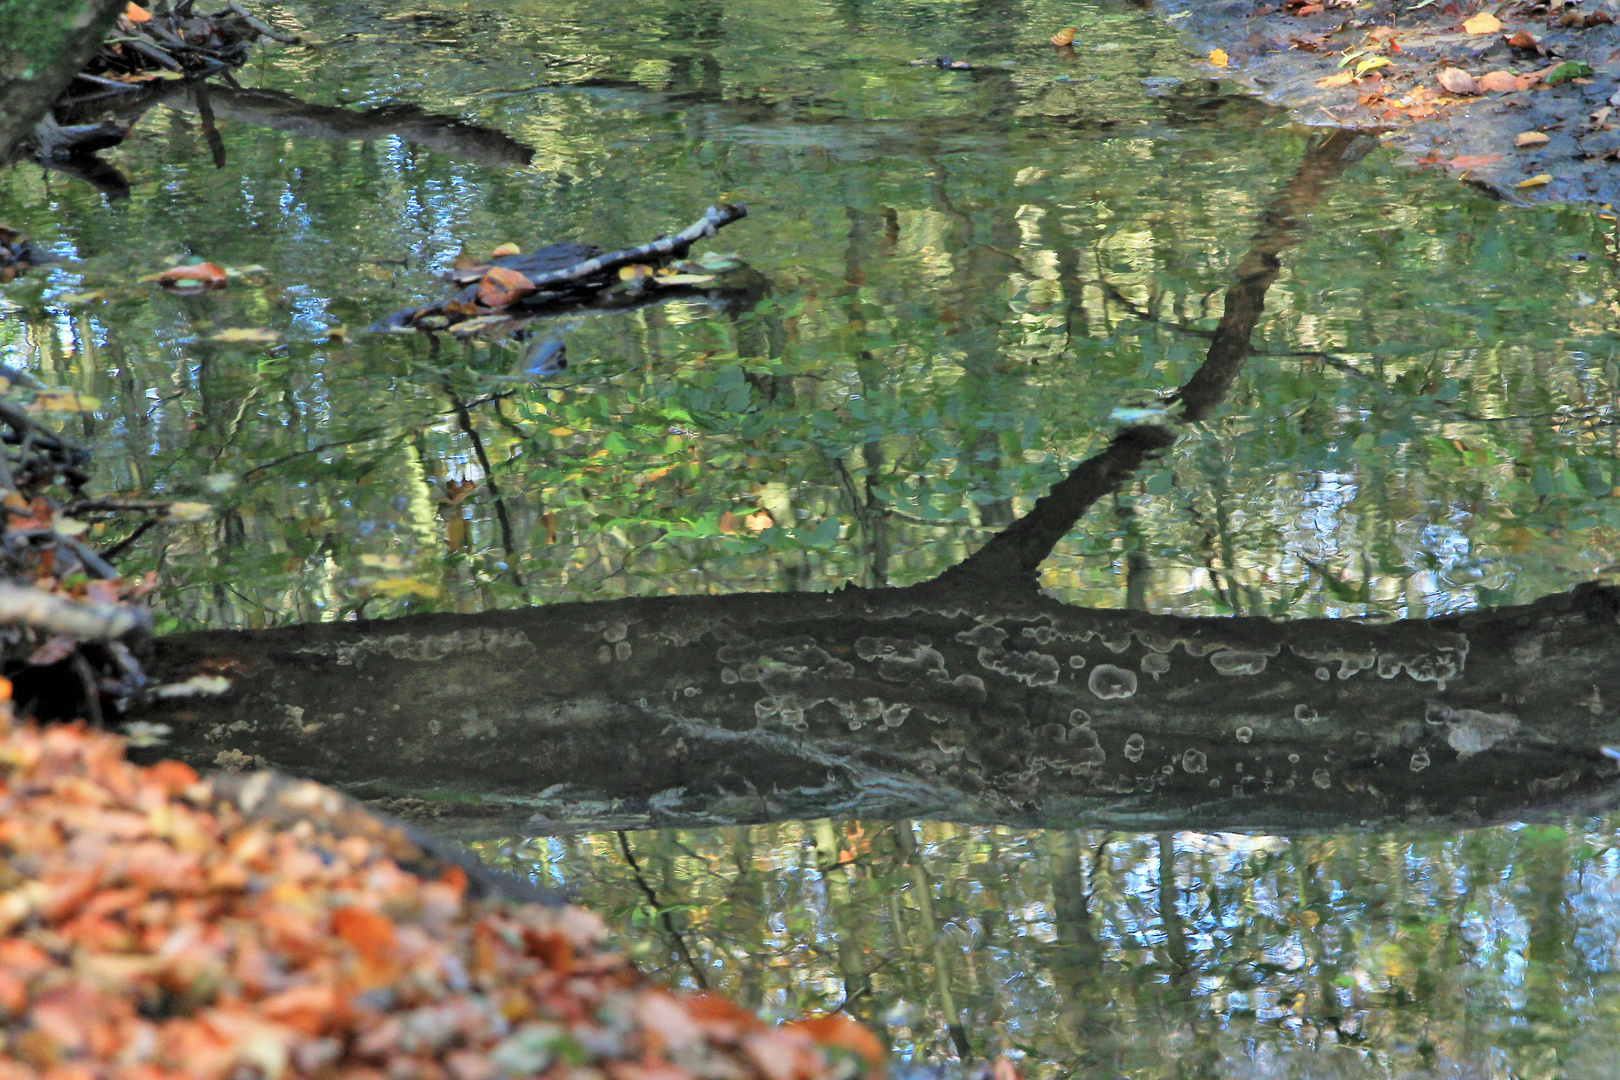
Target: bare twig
[[82, 619], [264, 29], [715, 217]]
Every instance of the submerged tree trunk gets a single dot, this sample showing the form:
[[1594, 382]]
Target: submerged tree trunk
[[923, 702]]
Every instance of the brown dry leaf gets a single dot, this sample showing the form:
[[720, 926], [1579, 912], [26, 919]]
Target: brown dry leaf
[[1381, 33], [1457, 81], [1332, 81], [730, 523], [1498, 81], [1218, 57], [759, 521], [206, 274], [500, 287], [1530, 138], [1473, 161], [1483, 23], [549, 520], [505, 249], [844, 1034], [1065, 36], [1523, 39]]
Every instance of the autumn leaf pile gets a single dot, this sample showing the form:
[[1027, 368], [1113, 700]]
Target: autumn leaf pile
[[149, 929]]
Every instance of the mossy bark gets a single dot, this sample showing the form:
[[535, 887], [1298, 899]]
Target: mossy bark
[[43, 44]]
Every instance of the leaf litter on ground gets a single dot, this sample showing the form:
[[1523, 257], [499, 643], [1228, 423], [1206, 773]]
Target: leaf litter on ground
[[155, 925]]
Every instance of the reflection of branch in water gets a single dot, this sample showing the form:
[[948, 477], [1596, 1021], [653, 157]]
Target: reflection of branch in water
[[662, 915], [1013, 556], [464, 419], [278, 111]]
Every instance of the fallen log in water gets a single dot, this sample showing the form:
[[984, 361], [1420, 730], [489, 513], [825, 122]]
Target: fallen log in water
[[954, 702]]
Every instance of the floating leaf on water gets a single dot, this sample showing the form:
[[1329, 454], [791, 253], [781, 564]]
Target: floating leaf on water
[[719, 261], [635, 273], [203, 275], [396, 588], [1473, 161], [1372, 63], [63, 401], [1065, 36], [505, 249], [92, 297], [190, 511], [1530, 138], [686, 279], [501, 286], [242, 335], [1457, 81], [1332, 81], [1571, 69], [1483, 23], [1539, 180], [1218, 57]]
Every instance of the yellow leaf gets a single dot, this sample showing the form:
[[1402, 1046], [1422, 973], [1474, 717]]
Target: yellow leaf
[[189, 511], [1483, 23], [383, 562], [238, 335], [631, 273], [507, 248], [1530, 138], [1218, 57], [1336, 80], [404, 586], [1539, 180], [63, 401]]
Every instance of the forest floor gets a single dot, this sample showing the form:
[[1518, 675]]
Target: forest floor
[[1520, 99]]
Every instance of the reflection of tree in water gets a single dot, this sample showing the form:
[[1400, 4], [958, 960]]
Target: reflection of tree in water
[[1147, 955]]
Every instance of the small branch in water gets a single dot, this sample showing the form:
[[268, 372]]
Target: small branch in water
[[663, 916], [264, 29]]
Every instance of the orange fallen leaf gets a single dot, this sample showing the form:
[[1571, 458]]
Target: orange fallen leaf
[[1483, 23], [207, 274], [1523, 39], [505, 249], [371, 934], [1473, 161], [500, 286], [1065, 36], [1218, 57], [135, 13], [1498, 81], [841, 1032], [1530, 138], [1457, 81]]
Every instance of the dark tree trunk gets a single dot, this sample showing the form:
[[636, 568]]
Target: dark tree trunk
[[929, 701]]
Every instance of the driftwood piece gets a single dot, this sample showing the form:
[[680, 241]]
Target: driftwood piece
[[560, 278], [81, 619]]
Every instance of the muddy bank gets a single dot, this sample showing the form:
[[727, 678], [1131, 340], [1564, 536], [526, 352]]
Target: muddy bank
[[1377, 66]]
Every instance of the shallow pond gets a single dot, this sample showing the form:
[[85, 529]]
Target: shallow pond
[[962, 281]]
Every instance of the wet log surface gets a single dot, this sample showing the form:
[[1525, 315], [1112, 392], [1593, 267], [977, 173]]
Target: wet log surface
[[926, 702]]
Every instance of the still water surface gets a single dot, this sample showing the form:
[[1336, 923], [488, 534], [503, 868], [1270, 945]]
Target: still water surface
[[960, 276]]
